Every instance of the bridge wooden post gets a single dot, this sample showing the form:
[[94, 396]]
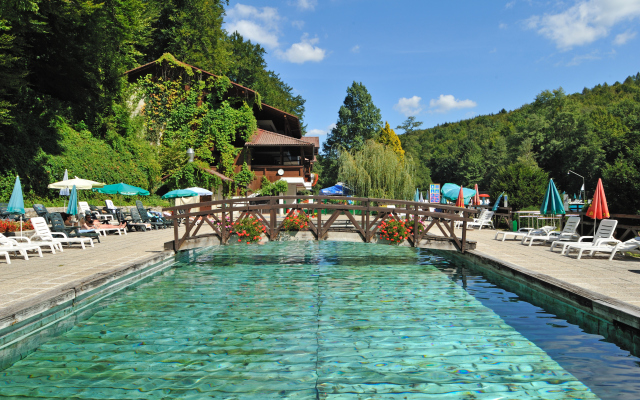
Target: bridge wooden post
[[415, 227], [367, 238], [465, 214], [272, 219], [223, 219], [176, 237], [319, 234]]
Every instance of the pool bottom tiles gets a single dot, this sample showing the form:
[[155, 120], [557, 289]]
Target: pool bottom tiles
[[297, 320]]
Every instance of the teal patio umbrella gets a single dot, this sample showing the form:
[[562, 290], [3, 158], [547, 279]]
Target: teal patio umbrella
[[552, 202], [179, 193], [123, 189], [73, 202], [16, 202], [417, 196], [497, 203]]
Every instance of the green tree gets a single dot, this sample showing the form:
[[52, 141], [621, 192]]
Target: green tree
[[358, 121], [523, 181], [389, 138], [409, 125], [375, 170], [192, 31]]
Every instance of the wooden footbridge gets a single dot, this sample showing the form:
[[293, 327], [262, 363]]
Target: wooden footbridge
[[434, 225]]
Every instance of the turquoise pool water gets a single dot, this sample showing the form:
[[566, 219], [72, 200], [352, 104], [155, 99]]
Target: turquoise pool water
[[298, 320]]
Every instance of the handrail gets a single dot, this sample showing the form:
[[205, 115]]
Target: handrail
[[444, 219]]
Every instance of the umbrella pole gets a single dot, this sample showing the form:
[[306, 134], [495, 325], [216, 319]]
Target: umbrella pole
[[20, 225]]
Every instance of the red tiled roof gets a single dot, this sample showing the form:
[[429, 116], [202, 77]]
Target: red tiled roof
[[312, 139], [266, 138]]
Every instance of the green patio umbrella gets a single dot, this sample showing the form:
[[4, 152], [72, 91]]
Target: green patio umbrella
[[552, 202], [73, 202], [124, 189], [16, 202], [179, 193]]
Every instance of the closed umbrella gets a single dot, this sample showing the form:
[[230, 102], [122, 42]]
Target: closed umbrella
[[123, 189], [476, 197], [416, 197], [73, 202], [598, 208], [421, 198], [65, 191], [552, 202], [16, 201], [460, 200], [179, 193], [497, 203]]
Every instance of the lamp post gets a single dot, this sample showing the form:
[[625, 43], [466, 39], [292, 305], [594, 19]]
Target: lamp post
[[190, 153], [583, 193]]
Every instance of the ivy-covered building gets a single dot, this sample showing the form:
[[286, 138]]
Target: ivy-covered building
[[237, 138]]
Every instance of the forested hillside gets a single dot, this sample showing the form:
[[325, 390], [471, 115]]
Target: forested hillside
[[595, 133], [64, 103]]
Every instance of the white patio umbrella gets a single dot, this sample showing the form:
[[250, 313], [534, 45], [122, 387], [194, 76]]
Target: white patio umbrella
[[201, 191], [77, 182]]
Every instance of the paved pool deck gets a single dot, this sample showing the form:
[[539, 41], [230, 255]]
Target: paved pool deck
[[24, 281]]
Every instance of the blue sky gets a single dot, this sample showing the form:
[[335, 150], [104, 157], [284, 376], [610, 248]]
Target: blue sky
[[440, 61]]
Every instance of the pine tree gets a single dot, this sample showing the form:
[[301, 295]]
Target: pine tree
[[358, 121]]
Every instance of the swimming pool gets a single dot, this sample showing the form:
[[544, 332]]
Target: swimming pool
[[307, 320]]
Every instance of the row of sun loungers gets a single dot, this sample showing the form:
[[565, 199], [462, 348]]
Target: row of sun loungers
[[45, 237], [569, 241]]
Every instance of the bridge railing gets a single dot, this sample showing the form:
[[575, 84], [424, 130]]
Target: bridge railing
[[365, 214]]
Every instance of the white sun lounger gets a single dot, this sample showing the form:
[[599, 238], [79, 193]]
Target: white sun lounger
[[6, 255], [484, 219], [611, 246], [522, 232], [604, 233], [10, 245], [44, 234], [567, 234], [27, 242]]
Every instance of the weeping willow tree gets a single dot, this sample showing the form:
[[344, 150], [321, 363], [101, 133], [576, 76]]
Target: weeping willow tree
[[377, 171]]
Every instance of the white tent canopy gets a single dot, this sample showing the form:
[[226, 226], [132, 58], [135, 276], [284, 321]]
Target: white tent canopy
[[77, 182]]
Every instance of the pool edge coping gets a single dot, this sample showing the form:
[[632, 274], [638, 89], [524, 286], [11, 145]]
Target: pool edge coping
[[73, 290], [602, 306]]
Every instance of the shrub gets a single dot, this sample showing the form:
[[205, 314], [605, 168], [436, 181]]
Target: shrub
[[8, 225], [248, 229]]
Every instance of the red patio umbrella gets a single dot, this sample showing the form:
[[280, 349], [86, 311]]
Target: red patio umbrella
[[476, 197], [598, 208], [460, 201]]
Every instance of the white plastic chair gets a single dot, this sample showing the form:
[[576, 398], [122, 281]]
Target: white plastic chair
[[10, 245], [6, 255], [484, 219]]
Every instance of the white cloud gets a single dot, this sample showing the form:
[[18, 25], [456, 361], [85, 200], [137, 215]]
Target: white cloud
[[303, 51], [502, 26], [355, 49], [446, 102], [577, 60], [510, 4], [306, 4], [624, 38], [409, 107], [584, 22], [260, 25], [297, 24]]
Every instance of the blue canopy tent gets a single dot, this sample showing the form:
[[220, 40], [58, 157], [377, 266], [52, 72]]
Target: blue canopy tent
[[339, 189], [450, 191]]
